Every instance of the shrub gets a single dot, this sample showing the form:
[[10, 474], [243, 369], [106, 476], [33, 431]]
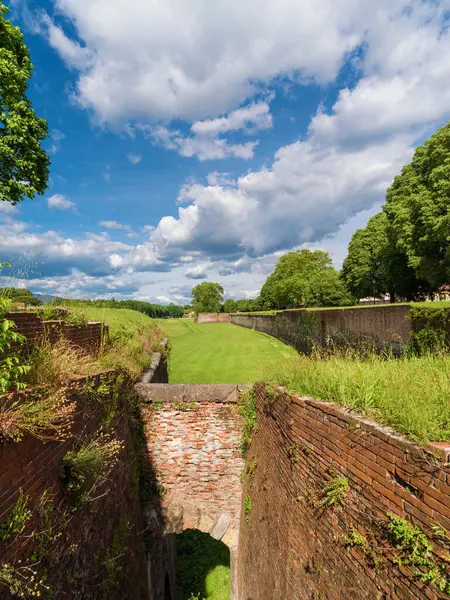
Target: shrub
[[45, 414], [334, 492], [56, 364], [87, 468]]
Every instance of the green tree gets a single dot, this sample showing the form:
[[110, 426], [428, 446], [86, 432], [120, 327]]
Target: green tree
[[418, 209], [375, 265], [229, 306], [207, 297], [303, 278], [23, 163]]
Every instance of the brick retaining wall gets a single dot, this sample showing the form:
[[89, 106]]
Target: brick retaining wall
[[383, 325], [290, 547], [76, 570]]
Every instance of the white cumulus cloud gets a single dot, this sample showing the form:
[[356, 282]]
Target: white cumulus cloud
[[60, 202]]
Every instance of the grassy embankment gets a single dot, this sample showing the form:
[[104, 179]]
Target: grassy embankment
[[411, 394], [219, 352]]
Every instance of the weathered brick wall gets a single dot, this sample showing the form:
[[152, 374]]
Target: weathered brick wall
[[193, 442], [292, 547], [213, 318], [29, 324], [77, 567], [384, 325]]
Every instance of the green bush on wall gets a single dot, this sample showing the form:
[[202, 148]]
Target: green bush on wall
[[430, 328]]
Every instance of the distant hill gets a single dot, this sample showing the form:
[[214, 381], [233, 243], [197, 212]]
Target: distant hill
[[44, 297]]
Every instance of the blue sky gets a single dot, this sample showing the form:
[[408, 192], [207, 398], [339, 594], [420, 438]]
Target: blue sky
[[193, 140]]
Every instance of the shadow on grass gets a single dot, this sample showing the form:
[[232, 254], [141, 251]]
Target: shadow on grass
[[203, 571]]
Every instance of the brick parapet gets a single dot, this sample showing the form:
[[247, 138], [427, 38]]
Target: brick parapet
[[89, 337], [300, 549]]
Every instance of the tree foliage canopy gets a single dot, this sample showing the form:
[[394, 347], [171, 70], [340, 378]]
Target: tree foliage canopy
[[376, 266], [418, 209], [304, 277], [23, 163], [207, 297]]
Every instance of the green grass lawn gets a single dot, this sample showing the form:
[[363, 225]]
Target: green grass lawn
[[219, 352]]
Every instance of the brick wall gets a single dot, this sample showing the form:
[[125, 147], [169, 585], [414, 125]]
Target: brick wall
[[383, 325], [193, 441], [76, 569], [291, 547], [35, 329], [213, 318]]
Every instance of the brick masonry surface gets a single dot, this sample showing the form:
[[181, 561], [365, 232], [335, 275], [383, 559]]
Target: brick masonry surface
[[290, 548], [213, 318], [76, 568], [88, 337], [193, 443], [385, 325]]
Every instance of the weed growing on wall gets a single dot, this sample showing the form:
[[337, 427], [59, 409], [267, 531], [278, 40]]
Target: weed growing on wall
[[87, 468], [115, 553], [17, 519], [44, 414], [247, 409], [413, 549], [334, 492], [430, 328], [247, 507], [52, 521], [23, 581], [106, 392]]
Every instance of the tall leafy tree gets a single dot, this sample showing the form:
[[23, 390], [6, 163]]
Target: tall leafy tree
[[376, 266], [207, 297], [303, 278], [418, 208], [23, 163]]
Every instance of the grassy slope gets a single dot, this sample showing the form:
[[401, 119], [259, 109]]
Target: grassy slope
[[133, 335], [412, 395], [219, 352]]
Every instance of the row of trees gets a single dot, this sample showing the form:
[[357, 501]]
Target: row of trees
[[156, 311], [403, 251]]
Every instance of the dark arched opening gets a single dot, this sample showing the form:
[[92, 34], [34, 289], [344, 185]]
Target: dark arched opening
[[203, 567]]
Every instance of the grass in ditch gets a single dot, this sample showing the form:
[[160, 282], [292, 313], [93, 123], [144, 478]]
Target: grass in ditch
[[412, 395], [219, 352], [203, 570]]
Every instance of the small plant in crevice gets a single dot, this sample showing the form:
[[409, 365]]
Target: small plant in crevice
[[294, 453], [413, 548], [247, 507], [118, 549], [334, 492], [24, 581], [18, 518], [86, 468], [52, 521], [250, 468], [247, 409], [354, 538], [271, 393]]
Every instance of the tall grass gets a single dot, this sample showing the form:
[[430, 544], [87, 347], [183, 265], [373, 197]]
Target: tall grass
[[411, 394]]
